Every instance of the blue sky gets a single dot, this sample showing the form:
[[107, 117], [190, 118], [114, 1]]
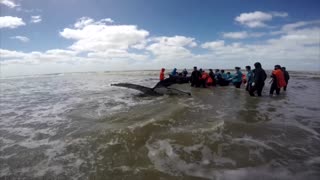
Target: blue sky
[[94, 35]]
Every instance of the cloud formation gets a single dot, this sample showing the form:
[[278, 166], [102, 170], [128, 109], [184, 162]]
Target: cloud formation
[[171, 47], [11, 22], [94, 36], [9, 3], [35, 19], [21, 38], [258, 19], [242, 35]]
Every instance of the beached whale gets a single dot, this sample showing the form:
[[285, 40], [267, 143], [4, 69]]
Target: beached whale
[[161, 88]]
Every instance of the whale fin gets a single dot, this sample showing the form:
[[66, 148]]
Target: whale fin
[[143, 89]]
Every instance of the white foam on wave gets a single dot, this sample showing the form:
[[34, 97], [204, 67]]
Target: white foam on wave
[[166, 159], [251, 142], [142, 124], [314, 161]]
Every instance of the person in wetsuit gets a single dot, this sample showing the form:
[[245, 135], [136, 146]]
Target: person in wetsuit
[[259, 76], [195, 77], [286, 77], [212, 76]]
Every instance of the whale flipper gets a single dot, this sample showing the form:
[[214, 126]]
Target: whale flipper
[[145, 90]]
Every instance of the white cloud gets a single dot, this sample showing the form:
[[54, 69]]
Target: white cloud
[[82, 22], [257, 19], [21, 38], [35, 19], [279, 14], [9, 3], [242, 34], [35, 57], [236, 35], [11, 22], [85, 21], [171, 47], [287, 28], [117, 55], [213, 45], [7, 54], [61, 52], [96, 36], [295, 49]]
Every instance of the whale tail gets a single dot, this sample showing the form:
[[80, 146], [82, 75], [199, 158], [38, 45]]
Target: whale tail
[[156, 91]]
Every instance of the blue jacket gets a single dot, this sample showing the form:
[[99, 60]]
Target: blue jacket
[[250, 77], [224, 76], [174, 72], [237, 77]]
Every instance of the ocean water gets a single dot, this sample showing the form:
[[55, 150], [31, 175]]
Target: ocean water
[[77, 126]]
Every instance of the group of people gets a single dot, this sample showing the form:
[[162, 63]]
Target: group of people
[[253, 79]]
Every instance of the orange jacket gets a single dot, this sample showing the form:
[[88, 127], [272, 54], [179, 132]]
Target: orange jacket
[[278, 74], [205, 76]]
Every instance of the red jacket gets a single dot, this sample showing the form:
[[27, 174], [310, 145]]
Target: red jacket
[[162, 74]]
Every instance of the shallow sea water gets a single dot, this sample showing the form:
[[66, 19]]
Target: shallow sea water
[[77, 126]]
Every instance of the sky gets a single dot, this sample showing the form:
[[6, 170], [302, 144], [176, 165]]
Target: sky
[[55, 36]]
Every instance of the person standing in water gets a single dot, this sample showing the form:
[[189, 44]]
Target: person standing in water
[[218, 76], [259, 76], [204, 79], [212, 75], [223, 79], [249, 78], [195, 76], [286, 77], [237, 78], [278, 80], [185, 72], [162, 74]]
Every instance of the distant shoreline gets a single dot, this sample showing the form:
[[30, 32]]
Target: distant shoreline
[[110, 71]]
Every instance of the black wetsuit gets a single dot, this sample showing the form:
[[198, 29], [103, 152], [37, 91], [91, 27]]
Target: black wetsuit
[[218, 78], [286, 78], [195, 81], [274, 86], [259, 77]]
